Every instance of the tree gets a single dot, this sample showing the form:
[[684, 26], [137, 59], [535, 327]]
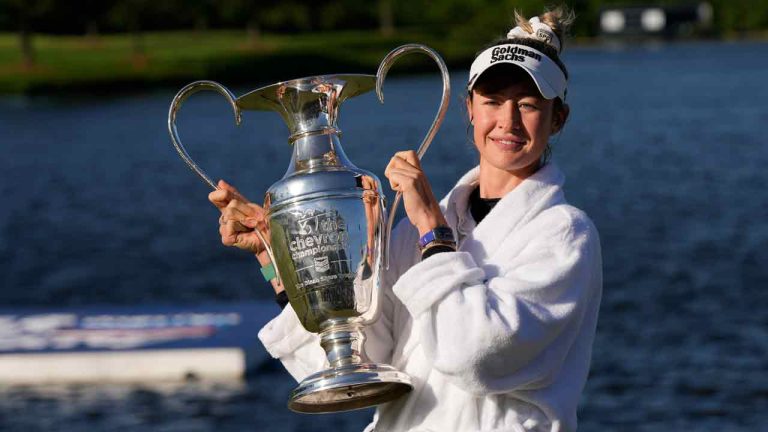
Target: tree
[[248, 13], [129, 15], [386, 18], [93, 12], [25, 13], [199, 11]]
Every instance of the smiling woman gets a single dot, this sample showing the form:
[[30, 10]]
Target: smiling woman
[[512, 125], [490, 301]]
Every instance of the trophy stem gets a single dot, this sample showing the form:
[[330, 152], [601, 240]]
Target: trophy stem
[[342, 343], [348, 383]]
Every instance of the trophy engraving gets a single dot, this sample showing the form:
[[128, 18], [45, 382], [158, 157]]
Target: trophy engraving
[[328, 229]]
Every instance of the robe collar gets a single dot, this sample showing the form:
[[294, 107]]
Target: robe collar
[[538, 192]]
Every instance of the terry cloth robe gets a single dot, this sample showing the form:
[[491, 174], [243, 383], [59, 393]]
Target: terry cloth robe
[[496, 336]]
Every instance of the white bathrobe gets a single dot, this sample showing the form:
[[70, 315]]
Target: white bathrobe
[[496, 336]]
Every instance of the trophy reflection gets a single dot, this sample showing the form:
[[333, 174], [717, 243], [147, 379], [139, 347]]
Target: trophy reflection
[[328, 229]]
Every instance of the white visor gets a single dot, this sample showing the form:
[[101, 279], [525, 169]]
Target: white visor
[[547, 75]]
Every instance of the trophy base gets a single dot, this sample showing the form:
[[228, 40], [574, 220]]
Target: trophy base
[[350, 387]]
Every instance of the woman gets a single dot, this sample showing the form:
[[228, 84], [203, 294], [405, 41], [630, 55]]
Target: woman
[[492, 297]]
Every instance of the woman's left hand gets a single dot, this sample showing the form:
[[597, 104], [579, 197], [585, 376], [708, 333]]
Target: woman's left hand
[[406, 176]]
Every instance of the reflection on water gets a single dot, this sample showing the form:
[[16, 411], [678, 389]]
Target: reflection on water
[[665, 150], [257, 405]]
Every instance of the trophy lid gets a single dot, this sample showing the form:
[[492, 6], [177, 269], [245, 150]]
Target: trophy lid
[[308, 104]]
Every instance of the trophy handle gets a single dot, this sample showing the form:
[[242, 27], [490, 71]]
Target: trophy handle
[[180, 97], [388, 61]]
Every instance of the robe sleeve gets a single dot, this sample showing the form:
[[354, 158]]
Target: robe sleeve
[[509, 324], [379, 336], [288, 341]]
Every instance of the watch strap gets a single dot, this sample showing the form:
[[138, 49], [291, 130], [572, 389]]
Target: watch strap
[[441, 234], [436, 248]]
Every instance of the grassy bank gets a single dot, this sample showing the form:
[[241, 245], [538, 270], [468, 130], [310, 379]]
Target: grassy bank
[[76, 63]]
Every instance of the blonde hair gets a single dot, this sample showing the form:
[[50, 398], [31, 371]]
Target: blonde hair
[[559, 19]]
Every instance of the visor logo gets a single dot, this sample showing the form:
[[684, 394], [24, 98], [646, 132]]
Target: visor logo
[[512, 53]]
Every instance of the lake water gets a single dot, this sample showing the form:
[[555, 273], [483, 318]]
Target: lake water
[[665, 150]]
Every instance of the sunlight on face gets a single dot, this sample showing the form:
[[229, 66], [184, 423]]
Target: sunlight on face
[[512, 126]]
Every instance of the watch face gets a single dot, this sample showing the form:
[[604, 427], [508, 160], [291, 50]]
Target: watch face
[[443, 233]]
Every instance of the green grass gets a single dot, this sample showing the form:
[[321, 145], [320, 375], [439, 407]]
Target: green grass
[[109, 61]]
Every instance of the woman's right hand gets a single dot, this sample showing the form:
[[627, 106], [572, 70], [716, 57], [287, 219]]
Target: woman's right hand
[[239, 218]]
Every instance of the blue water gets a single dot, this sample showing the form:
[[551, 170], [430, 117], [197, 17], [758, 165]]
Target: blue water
[[665, 150]]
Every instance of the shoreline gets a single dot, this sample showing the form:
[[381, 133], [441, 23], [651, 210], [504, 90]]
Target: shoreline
[[110, 64]]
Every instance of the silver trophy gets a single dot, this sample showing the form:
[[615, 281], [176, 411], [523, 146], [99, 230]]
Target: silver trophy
[[327, 229]]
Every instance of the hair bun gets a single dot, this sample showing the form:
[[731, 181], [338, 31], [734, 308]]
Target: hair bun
[[540, 31], [558, 20]]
